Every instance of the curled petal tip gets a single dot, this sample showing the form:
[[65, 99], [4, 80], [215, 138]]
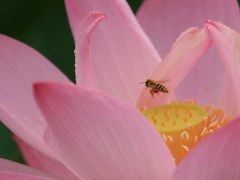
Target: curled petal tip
[[209, 24], [209, 21], [97, 14], [85, 72]]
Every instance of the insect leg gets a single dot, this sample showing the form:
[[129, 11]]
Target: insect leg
[[152, 92]]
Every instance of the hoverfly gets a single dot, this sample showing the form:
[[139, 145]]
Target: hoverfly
[[155, 86]]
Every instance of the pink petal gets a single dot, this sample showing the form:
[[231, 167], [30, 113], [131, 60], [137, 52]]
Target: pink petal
[[100, 138], [39, 161], [84, 70], [175, 16], [184, 54], [20, 66], [122, 54], [12, 171], [216, 158], [16, 176], [227, 43]]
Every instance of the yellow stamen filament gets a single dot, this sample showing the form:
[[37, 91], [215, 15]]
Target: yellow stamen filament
[[185, 148], [183, 124]]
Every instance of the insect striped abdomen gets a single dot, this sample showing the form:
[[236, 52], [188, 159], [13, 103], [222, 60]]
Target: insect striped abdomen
[[161, 88]]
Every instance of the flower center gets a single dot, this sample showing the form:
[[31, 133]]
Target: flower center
[[183, 124]]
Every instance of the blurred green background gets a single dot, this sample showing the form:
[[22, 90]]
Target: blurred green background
[[43, 25]]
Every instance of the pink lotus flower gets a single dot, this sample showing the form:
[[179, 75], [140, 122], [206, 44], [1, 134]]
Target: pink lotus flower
[[93, 130]]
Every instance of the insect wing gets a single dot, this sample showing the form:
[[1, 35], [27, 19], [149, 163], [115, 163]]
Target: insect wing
[[162, 81]]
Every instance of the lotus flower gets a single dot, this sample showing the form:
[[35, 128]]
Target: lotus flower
[[96, 129]]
